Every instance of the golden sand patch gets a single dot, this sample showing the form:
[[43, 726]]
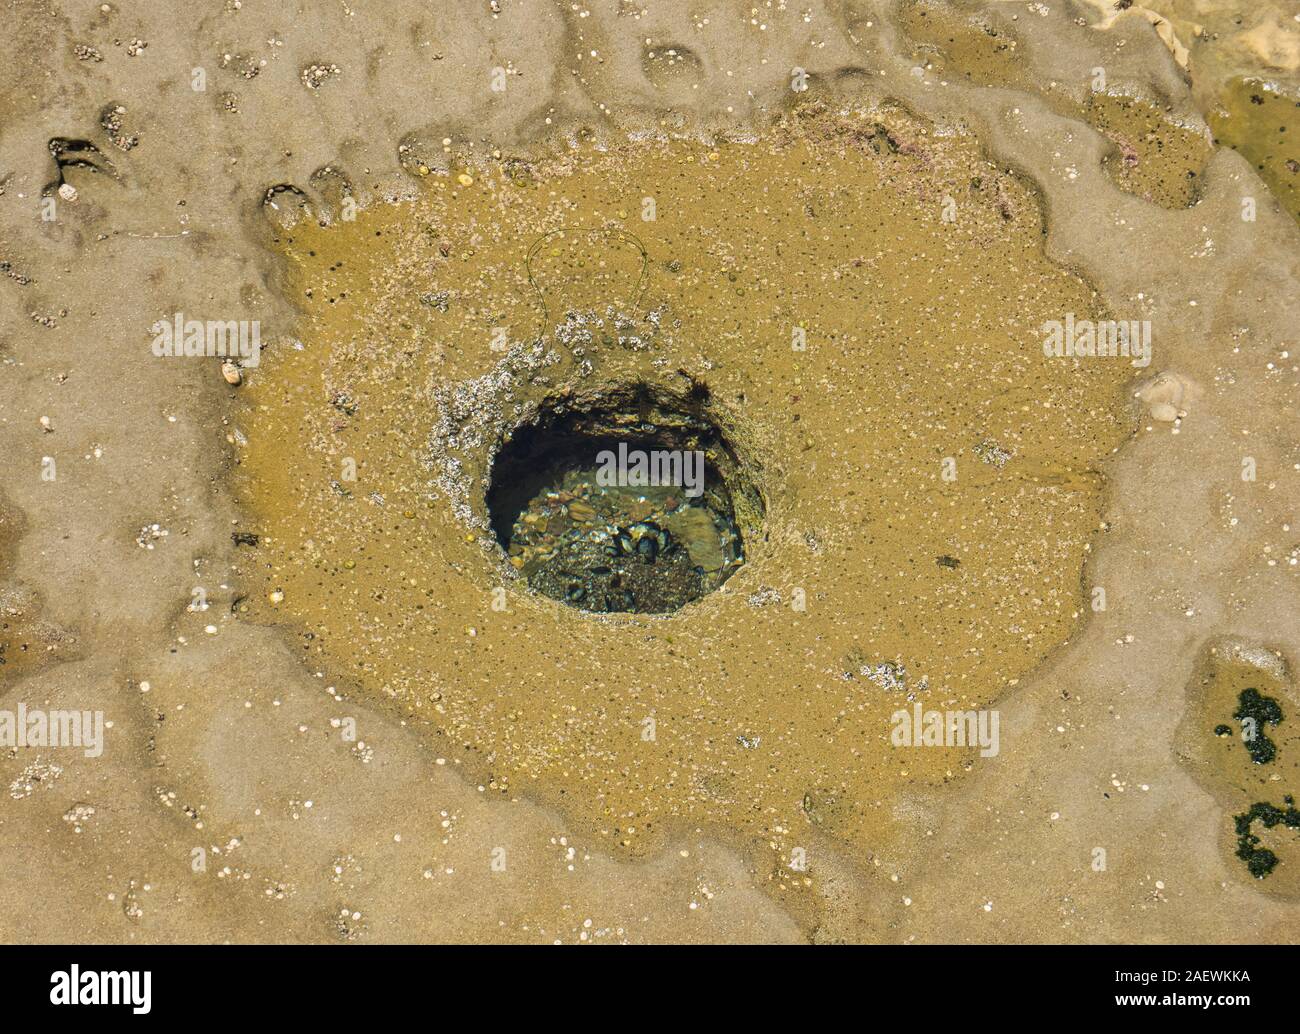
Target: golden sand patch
[[1154, 157], [912, 271], [1262, 122]]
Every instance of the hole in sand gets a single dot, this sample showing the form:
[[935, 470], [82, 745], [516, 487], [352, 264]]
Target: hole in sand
[[628, 500]]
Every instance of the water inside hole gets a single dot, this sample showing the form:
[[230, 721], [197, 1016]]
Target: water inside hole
[[648, 534]]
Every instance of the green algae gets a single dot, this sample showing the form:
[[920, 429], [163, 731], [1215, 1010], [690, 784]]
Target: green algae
[[1261, 122]]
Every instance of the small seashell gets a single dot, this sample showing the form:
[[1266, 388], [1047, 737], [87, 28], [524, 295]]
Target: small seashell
[[68, 192], [276, 596], [1168, 396], [231, 372]]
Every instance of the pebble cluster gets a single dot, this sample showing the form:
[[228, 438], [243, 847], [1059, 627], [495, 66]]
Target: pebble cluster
[[616, 549]]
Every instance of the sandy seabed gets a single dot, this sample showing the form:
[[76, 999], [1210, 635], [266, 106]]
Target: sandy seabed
[[318, 726]]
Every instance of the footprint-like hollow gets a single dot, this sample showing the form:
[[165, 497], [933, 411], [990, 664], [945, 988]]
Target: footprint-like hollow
[[1241, 742]]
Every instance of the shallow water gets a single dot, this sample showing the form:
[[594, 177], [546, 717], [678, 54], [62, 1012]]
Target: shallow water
[[1154, 155], [612, 549], [1247, 764], [1262, 122]]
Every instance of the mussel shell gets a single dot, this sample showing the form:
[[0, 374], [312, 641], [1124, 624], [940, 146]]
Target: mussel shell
[[620, 601], [641, 529]]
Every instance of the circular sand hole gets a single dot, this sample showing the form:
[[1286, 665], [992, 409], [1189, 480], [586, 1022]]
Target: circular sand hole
[[628, 500]]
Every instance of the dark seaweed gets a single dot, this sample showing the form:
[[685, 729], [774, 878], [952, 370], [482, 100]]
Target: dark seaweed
[[1261, 710], [1260, 861]]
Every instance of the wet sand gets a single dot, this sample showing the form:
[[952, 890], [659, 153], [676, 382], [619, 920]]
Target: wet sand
[[768, 701], [338, 737]]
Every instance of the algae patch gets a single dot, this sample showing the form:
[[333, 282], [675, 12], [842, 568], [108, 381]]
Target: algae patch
[[1262, 122], [1241, 746]]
